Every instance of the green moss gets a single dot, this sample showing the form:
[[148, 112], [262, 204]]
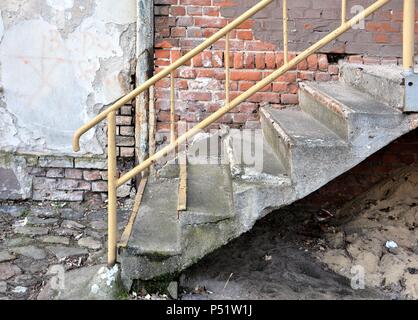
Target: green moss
[[6, 159]]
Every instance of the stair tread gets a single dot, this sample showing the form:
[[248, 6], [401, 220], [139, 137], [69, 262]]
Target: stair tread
[[157, 229], [301, 128], [269, 164], [209, 191], [353, 100]]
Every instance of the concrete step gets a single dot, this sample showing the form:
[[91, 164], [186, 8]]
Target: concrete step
[[345, 110], [251, 157], [157, 231], [204, 148], [307, 148], [209, 194], [383, 82]]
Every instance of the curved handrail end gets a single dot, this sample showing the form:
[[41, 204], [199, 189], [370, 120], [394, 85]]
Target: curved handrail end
[[76, 142]]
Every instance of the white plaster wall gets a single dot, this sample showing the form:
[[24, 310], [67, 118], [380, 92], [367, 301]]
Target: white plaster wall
[[61, 62]]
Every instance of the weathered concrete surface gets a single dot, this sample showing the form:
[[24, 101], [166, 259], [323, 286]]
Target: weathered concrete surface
[[61, 62], [88, 283], [15, 182], [302, 139], [384, 83]]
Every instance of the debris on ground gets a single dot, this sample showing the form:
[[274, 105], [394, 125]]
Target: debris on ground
[[381, 236]]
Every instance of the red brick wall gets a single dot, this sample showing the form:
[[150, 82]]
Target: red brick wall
[[183, 24], [180, 25]]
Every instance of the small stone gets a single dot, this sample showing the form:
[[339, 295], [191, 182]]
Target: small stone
[[56, 239], [30, 252], [8, 270], [43, 212], [39, 221], [64, 252], [173, 289], [98, 225], [14, 211], [6, 256], [31, 231], [18, 242], [20, 289], [3, 287], [66, 232], [70, 224], [90, 243], [30, 266], [68, 213], [335, 240], [124, 191], [24, 280]]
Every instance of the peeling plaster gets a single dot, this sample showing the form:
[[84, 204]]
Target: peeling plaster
[[15, 182], [57, 76], [120, 12], [61, 4]]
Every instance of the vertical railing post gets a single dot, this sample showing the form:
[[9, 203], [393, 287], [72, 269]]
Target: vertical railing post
[[285, 32], [409, 35], [227, 68], [411, 78], [172, 108], [112, 187], [343, 11]]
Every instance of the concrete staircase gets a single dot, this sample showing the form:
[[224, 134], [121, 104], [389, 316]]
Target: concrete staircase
[[299, 149]]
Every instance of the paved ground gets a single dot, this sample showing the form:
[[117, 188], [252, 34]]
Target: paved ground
[[36, 237]]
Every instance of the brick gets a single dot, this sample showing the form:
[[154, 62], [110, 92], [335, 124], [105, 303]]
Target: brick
[[270, 59], [123, 120], [90, 163], [312, 61], [73, 173], [56, 162], [126, 131], [55, 173], [323, 62], [99, 186], [127, 152], [322, 76], [92, 175], [289, 99], [249, 75]]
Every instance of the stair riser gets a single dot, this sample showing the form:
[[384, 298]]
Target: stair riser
[[306, 164], [387, 90], [280, 145], [314, 166], [325, 111]]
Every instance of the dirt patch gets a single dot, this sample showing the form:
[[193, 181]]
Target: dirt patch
[[297, 253], [275, 260], [380, 236]]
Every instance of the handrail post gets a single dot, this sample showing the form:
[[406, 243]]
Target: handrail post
[[227, 68], [112, 189], [172, 108], [410, 77], [409, 35], [285, 32], [343, 11]]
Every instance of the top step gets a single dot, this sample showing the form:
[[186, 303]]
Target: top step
[[345, 110], [383, 82]]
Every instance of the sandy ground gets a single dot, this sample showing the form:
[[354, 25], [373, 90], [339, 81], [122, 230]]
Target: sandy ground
[[293, 254], [389, 212]]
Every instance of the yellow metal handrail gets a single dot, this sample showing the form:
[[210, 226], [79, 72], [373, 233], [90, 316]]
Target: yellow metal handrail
[[110, 113]]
